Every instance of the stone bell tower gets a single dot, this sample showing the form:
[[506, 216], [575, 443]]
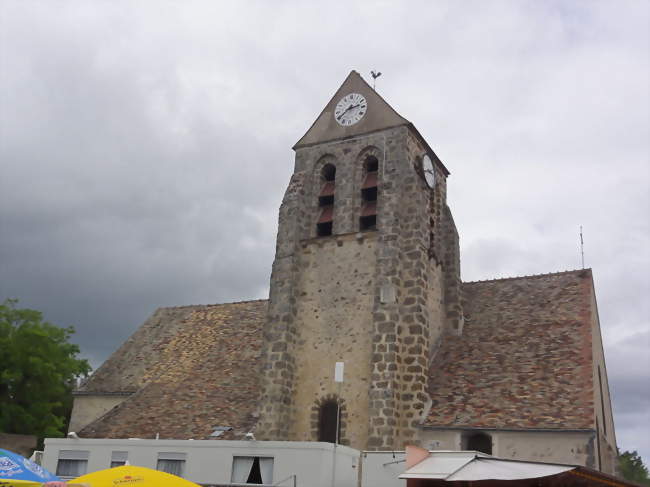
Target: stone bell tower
[[366, 272]]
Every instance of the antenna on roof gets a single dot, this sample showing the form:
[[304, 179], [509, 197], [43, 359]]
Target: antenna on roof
[[374, 75], [582, 248]]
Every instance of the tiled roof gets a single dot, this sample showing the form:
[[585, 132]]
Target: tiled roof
[[524, 359], [194, 368]]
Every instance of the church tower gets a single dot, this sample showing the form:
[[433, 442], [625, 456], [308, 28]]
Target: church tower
[[366, 272]]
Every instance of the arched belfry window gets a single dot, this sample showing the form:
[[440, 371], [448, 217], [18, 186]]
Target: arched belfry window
[[368, 217], [329, 420], [326, 201], [478, 442]]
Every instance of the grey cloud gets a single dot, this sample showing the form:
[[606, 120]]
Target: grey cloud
[[144, 148]]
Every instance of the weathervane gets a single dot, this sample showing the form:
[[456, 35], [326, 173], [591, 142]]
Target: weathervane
[[374, 75]]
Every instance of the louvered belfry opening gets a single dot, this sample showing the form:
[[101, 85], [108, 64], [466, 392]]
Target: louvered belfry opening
[[368, 218], [326, 201]]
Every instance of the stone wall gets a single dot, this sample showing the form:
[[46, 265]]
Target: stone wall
[[373, 300], [401, 335], [568, 447], [279, 332], [450, 256], [561, 447], [407, 328], [606, 439], [87, 408], [336, 290]]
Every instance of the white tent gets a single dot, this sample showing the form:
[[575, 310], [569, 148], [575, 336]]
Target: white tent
[[472, 466]]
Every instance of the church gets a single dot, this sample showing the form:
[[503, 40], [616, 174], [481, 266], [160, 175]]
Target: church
[[367, 273]]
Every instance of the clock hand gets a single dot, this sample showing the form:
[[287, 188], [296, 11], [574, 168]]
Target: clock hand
[[346, 110], [343, 113]]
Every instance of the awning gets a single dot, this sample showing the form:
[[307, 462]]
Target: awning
[[435, 468], [493, 468], [473, 466]]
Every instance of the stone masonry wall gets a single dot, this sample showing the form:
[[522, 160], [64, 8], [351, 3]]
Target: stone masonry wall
[[280, 328], [402, 340], [336, 293], [450, 253], [606, 435], [371, 299], [536, 446]]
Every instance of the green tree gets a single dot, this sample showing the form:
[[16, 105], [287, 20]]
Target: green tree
[[38, 369], [632, 468]]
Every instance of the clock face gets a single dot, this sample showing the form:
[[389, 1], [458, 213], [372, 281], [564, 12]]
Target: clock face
[[428, 172], [350, 109]]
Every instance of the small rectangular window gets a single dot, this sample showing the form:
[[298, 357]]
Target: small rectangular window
[[324, 225], [252, 470], [72, 463], [170, 462], [368, 217], [119, 458], [71, 468]]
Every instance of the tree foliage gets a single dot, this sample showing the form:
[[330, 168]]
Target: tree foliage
[[38, 369], [632, 468]]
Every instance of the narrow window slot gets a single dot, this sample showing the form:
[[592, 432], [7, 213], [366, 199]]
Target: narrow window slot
[[369, 193], [325, 223]]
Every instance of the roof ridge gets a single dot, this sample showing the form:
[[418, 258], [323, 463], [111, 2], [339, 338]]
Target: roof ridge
[[213, 304], [528, 276]]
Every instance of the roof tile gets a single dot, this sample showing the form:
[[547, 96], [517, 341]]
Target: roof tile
[[204, 374], [524, 358]]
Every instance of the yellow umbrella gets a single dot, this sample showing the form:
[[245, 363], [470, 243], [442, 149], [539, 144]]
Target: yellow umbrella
[[132, 476], [20, 483], [31, 483]]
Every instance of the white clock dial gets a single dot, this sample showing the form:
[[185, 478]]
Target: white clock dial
[[350, 109], [428, 172]]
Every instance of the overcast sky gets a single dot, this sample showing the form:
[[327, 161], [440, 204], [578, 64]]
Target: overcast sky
[[145, 148]]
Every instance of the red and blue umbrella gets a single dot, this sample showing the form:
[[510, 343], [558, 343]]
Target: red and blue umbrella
[[18, 471]]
